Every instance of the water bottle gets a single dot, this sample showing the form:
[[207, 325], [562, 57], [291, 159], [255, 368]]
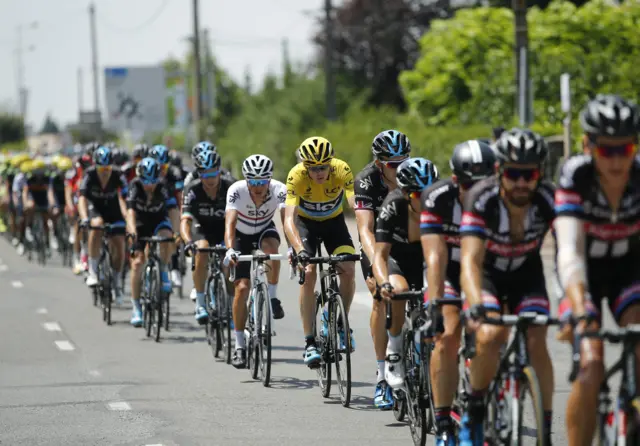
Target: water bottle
[[417, 342], [325, 320]]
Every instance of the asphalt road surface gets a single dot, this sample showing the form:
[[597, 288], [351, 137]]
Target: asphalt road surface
[[68, 379]]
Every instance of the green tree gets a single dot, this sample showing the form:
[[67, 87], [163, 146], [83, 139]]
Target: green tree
[[466, 71], [11, 128], [49, 126]]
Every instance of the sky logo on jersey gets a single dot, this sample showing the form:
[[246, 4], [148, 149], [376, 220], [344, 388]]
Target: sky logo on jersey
[[472, 223], [363, 205], [566, 201]]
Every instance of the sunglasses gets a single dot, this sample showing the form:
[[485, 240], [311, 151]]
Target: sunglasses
[[316, 169], [103, 168], [149, 181], [393, 164], [625, 150], [258, 182], [515, 173], [213, 174]]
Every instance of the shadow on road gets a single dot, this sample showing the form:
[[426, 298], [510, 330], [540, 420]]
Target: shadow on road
[[291, 383]]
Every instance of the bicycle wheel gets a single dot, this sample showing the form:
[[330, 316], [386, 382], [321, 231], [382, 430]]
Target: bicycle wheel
[[324, 346], [342, 352], [166, 309], [399, 406], [224, 311], [157, 299], [211, 327], [416, 413], [263, 340], [253, 360], [182, 267], [426, 388]]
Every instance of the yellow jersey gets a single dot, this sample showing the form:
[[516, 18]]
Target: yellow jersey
[[319, 201]]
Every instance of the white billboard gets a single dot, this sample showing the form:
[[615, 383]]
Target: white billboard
[[136, 99]]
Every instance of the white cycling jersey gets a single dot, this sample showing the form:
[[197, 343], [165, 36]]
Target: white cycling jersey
[[19, 181], [254, 219]]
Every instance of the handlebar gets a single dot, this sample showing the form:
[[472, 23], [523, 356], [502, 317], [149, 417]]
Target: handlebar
[[250, 258], [525, 319], [331, 260], [218, 249], [156, 239]]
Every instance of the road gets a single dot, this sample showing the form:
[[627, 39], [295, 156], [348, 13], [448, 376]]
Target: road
[[67, 379]]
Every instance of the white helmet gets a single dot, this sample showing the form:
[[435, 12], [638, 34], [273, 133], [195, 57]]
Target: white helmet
[[257, 167]]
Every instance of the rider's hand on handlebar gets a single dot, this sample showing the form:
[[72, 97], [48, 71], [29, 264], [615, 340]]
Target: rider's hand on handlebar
[[190, 249], [475, 314], [303, 258], [386, 291], [231, 257], [290, 255], [84, 223]]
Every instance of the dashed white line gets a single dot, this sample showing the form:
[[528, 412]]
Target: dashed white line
[[64, 346], [118, 405], [16, 284], [94, 373], [52, 326], [42, 311], [159, 444]]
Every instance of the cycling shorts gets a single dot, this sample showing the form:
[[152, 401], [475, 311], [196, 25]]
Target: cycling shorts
[[333, 232], [109, 216], [411, 269], [247, 243], [213, 238], [149, 228], [452, 288]]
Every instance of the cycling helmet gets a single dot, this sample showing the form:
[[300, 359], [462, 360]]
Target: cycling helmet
[[85, 160], [38, 164], [257, 167], [64, 164], [17, 160], [521, 146], [472, 160], [415, 174], [390, 143], [207, 159], [140, 150], [91, 147], [610, 115], [160, 153], [148, 170], [103, 156], [201, 146], [316, 151]]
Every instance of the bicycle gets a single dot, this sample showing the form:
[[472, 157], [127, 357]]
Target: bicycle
[[330, 309], [416, 399], [36, 239], [155, 301], [182, 267], [515, 378], [65, 247], [260, 322], [619, 426], [218, 328], [103, 291]]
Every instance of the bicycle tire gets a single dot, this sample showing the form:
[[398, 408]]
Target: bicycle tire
[[253, 360], [337, 315], [324, 370], [182, 267], [425, 374], [211, 327], [222, 299], [108, 302], [416, 413], [529, 382], [399, 407], [166, 308], [156, 299], [264, 336]]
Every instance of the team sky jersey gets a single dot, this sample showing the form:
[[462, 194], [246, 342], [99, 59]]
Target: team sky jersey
[[153, 209], [319, 201], [392, 226], [208, 213], [104, 199], [486, 216], [254, 219], [174, 180], [370, 189], [194, 175], [610, 235], [38, 186], [56, 182]]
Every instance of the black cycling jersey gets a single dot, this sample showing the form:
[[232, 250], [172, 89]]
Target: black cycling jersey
[[392, 226], [486, 216], [104, 199], [38, 186], [207, 213], [174, 180], [370, 189], [56, 182], [150, 210]]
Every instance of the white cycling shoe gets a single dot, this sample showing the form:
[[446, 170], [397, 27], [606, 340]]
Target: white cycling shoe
[[193, 294], [394, 370]]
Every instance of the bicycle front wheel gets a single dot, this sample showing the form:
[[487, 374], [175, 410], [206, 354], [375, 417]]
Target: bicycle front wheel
[[529, 427], [341, 339], [224, 321], [263, 328], [325, 347], [419, 425]]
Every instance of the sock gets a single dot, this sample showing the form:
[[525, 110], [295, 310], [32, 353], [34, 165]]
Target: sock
[[395, 343], [136, 304], [548, 418], [117, 279], [240, 341], [272, 288], [200, 301], [174, 262], [380, 372], [310, 340], [93, 265], [443, 419]]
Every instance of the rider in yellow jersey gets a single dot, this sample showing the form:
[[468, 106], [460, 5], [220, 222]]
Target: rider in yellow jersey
[[316, 188]]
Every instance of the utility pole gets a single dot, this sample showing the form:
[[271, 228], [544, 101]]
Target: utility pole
[[211, 72], [80, 92], [328, 63], [524, 97], [23, 93], [94, 56], [197, 109], [286, 63]]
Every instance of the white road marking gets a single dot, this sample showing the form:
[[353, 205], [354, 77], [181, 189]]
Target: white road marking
[[159, 444], [3, 268], [363, 298], [118, 405], [94, 373], [52, 326], [64, 345], [42, 311], [16, 284]]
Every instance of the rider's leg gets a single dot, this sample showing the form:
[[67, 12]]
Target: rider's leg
[[394, 373], [242, 286], [199, 279], [116, 248], [94, 245], [347, 285], [137, 264], [165, 257], [270, 245]]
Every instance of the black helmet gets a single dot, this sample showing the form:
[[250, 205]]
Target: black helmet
[[521, 146], [390, 143], [91, 147], [415, 174], [610, 115], [140, 150], [472, 160]]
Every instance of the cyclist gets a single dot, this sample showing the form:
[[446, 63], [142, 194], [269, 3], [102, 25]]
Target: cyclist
[[504, 222], [251, 207], [205, 145], [36, 200], [129, 169], [390, 148], [150, 210], [597, 230], [397, 263], [57, 196], [471, 161], [19, 182], [73, 179], [102, 201], [9, 175], [204, 204], [176, 162], [175, 182], [316, 188]]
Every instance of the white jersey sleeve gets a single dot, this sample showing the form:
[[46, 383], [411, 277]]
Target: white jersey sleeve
[[279, 190], [234, 194]]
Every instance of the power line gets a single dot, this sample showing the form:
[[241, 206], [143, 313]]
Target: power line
[[137, 28]]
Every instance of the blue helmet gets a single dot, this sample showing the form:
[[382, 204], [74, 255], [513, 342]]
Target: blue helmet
[[200, 147], [415, 174], [148, 170], [103, 156], [207, 159], [160, 153], [390, 143]]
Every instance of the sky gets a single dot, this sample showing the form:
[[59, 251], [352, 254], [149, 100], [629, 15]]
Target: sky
[[244, 33]]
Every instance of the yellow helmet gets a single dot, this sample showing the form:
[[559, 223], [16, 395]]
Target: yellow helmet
[[38, 164], [25, 167], [315, 151], [64, 164], [55, 160], [19, 159]]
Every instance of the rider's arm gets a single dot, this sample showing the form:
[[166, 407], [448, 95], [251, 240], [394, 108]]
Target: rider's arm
[[26, 198], [230, 220], [122, 195], [131, 211], [187, 217], [571, 260], [348, 187], [434, 248], [385, 224], [83, 203], [290, 213], [366, 223], [50, 196], [472, 249], [380, 262]]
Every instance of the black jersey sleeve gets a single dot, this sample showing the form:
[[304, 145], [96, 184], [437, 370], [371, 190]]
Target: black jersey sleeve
[[568, 198], [364, 190], [85, 184], [169, 200], [177, 179], [188, 200], [546, 192], [388, 218], [434, 208], [476, 203]]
